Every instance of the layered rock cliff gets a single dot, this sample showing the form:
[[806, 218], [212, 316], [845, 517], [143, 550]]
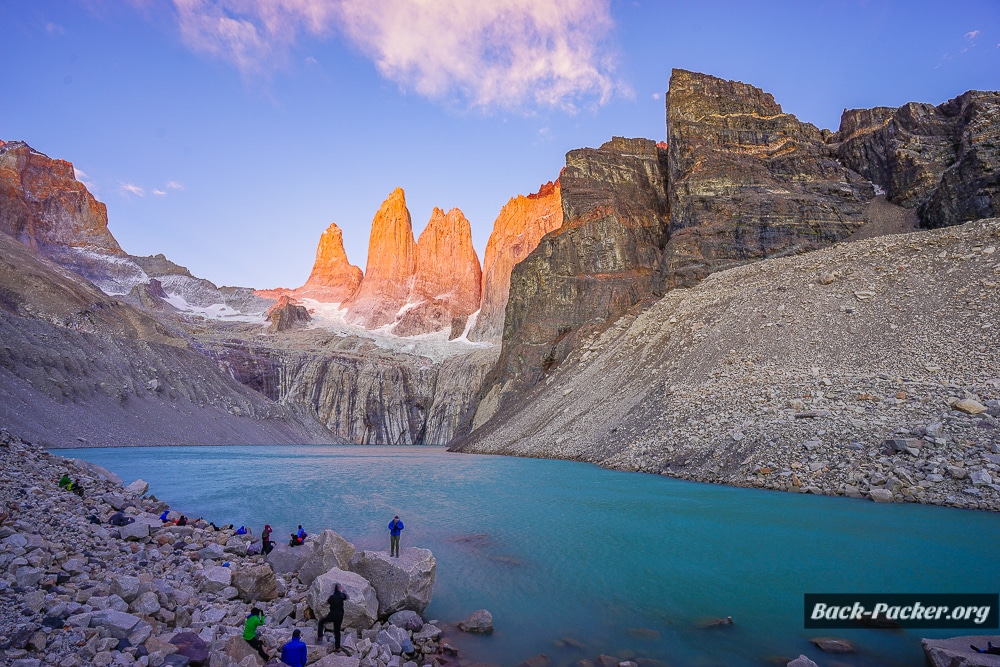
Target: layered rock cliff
[[522, 223], [80, 368], [747, 181], [594, 267], [364, 392], [392, 258], [942, 160]]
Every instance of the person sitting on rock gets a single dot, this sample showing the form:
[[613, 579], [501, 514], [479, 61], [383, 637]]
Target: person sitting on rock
[[294, 652], [165, 516], [183, 521], [65, 481], [119, 519], [75, 487], [250, 630], [294, 540], [302, 535]]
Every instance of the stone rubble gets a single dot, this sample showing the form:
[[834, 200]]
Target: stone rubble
[[77, 591]]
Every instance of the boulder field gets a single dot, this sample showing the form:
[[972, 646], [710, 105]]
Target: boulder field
[[76, 590]]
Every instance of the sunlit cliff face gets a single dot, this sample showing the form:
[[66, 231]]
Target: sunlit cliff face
[[435, 283]]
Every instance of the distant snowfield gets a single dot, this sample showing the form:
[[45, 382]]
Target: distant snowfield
[[216, 311], [436, 346]]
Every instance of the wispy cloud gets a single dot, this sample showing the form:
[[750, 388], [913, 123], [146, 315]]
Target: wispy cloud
[[503, 53], [159, 193], [970, 43], [128, 189], [174, 185]]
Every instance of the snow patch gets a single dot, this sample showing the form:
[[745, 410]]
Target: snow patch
[[435, 346], [878, 189], [216, 311]]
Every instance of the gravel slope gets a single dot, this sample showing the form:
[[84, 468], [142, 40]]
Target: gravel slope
[[834, 372]]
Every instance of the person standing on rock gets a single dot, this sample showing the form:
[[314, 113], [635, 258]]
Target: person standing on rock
[[335, 616], [265, 540], [294, 653], [395, 528], [254, 621]]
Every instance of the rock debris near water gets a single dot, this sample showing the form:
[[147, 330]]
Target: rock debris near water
[[869, 369], [77, 591]]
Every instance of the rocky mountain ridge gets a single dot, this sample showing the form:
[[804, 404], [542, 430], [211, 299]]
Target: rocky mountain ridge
[[738, 180], [626, 226], [80, 368]]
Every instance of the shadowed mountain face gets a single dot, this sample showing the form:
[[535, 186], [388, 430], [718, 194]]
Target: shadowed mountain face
[[942, 160], [79, 368], [747, 181]]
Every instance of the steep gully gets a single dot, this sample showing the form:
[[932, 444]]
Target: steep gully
[[736, 181]]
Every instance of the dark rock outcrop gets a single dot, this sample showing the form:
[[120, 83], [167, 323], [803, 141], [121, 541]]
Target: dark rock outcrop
[[942, 160], [286, 314], [747, 181]]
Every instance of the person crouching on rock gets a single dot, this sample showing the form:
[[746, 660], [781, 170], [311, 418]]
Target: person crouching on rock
[[294, 540], [65, 481], [335, 616], [254, 621], [294, 653], [75, 487]]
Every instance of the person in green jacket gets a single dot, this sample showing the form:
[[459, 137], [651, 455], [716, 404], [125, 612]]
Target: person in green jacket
[[254, 621], [65, 481]]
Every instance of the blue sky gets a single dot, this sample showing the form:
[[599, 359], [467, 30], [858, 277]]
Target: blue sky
[[227, 134]]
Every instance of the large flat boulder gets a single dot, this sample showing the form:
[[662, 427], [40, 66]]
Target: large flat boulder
[[287, 560], [215, 578], [324, 552], [118, 624], [256, 582], [957, 651], [134, 531], [361, 607], [405, 582]]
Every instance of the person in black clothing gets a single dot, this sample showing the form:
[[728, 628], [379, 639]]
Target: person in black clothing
[[990, 648], [119, 519], [335, 616]]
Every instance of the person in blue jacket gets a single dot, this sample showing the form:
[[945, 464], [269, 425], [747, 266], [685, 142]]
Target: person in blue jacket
[[395, 528], [293, 653]]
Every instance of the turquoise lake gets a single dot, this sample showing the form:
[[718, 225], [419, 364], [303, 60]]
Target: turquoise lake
[[621, 563]]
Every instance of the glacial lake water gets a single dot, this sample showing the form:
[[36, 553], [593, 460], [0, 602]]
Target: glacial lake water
[[626, 564]]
